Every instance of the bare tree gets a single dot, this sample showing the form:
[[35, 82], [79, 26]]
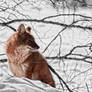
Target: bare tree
[[73, 62]]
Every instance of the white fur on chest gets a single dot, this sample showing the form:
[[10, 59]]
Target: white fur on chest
[[20, 54]]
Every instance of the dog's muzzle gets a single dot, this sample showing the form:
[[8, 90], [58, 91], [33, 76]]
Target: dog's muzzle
[[35, 46]]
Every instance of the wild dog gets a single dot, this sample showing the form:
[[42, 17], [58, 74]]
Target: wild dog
[[24, 58]]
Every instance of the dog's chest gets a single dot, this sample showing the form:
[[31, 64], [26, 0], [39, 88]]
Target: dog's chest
[[20, 54], [17, 60]]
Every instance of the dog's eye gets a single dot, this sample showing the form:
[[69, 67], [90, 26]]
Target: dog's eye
[[30, 41]]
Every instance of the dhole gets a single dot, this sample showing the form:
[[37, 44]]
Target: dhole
[[24, 59]]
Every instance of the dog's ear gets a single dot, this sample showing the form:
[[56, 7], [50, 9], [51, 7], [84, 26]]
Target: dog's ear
[[28, 29], [21, 29]]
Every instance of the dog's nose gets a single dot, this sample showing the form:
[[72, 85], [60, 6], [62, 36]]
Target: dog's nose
[[37, 47], [34, 44]]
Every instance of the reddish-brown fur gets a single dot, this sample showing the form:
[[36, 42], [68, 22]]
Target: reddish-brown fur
[[24, 59]]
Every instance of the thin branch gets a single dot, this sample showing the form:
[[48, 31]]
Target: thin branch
[[3, 60], [87, 87], [58, 15], [54, 39], [11, 27], [46, 22], [69, 58], [60, 78], [2, 54], [52, 3]]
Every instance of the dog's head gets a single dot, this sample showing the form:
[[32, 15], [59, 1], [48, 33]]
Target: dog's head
[[25, 37]]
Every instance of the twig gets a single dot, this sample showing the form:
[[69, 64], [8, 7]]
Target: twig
[[3, 60], [60, 78], [53, 39], [87, 87], [58, 15], [11, 28]]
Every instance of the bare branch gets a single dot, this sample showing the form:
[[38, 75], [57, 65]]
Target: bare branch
[[77, 15], [46, 22], [60, 78], [11, 27], [3, 60], [87, 87], [54, 39]]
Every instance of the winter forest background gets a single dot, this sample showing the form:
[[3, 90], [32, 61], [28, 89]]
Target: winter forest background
[[63, 30]]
